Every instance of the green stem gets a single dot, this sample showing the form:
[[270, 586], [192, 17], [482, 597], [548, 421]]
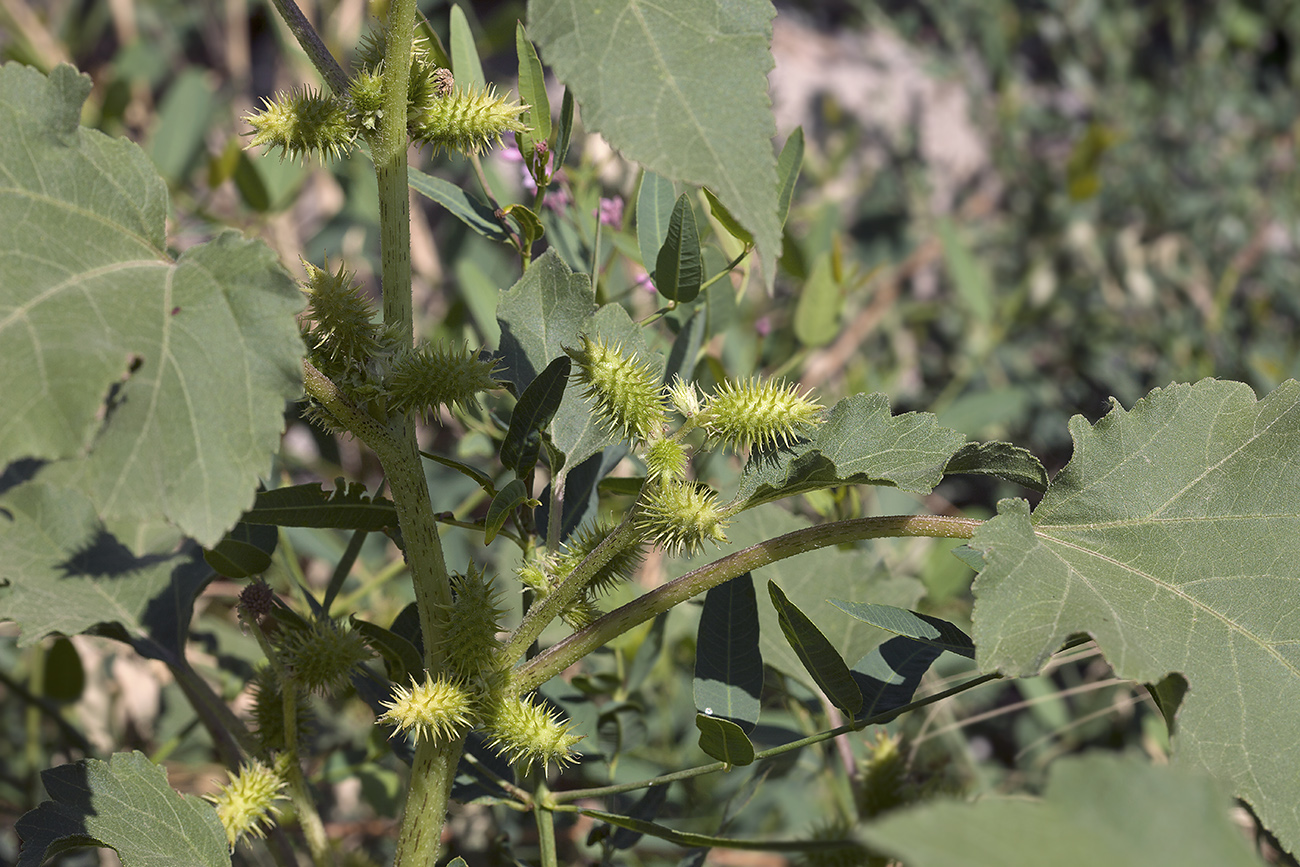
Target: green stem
[[570, 795], [545, 828], [299, 794], [551, 662], [549, 607], [432, 773]]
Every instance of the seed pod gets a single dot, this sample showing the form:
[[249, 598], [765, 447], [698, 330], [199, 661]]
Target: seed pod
[[430, 710], [246, 804]]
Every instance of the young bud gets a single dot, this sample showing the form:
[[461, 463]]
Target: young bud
[[431, 710], [321, 658], [366, 94], [665, 459], [465, 121], [681, 516], [246, 804], [469, 643], [423, 378], [627, 395], [684, 396], [301, 122], [268, 712], [765, 414], [524, 732]]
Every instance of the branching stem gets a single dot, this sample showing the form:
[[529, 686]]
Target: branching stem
[[551, 662]]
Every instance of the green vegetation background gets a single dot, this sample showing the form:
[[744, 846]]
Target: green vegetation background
[[1008, 213]]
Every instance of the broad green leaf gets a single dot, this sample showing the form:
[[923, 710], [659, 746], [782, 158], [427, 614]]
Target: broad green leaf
[[465, 63], [817, 313], [681, 89], [540, 315], [244, 551], [911, 624], [889, 675], [126, 805], [1171, 538], [65, 574], [532, 91], [1097, 809], [787, 170], [808, 580], [1000, 460], [728, 663], [727, 221], [114, 339], [511, 497], [347, 507], [654, 208], [723, 740], [532, 415], [471, 211], [860, 443], [816, 653], [679, 270]]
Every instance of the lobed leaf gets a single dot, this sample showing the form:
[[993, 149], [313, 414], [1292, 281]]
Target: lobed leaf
[[126, 805], [1097, 809], [1170, 538], [681, 89], [860, 443], [114, 339]]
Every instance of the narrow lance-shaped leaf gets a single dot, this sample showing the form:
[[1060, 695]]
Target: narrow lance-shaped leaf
[[728, 663], [1170, 538], [347, 507], [126, 805], [787, 171], [465, 63], [817, 654], [654, 208], [511, 497], [531, 416], [532, 91], [924, 628], [245, 551], [889, 675], [679, 269], [565, 133], [473, 212]]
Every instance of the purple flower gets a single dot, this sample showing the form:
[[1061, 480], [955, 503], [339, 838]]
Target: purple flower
[[763, 325], [641, 279], [611, 212], [557, 199]]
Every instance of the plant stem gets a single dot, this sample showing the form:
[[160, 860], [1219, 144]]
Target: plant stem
[[432, 773], [570, 795], [551, 662], [549, 607], [545, 828]]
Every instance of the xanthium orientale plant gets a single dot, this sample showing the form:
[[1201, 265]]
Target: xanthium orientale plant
[[1167, 540]]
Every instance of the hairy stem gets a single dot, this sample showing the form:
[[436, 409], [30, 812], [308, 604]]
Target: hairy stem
[[432, 773], [546, 665]]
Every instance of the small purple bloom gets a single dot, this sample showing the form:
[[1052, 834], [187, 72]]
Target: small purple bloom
[[611, 212], [557, 199], [763, 325]]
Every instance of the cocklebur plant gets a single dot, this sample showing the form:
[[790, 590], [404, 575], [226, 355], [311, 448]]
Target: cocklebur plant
[[574, 395]]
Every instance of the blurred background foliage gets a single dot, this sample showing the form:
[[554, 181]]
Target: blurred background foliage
[[1009, 212]]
